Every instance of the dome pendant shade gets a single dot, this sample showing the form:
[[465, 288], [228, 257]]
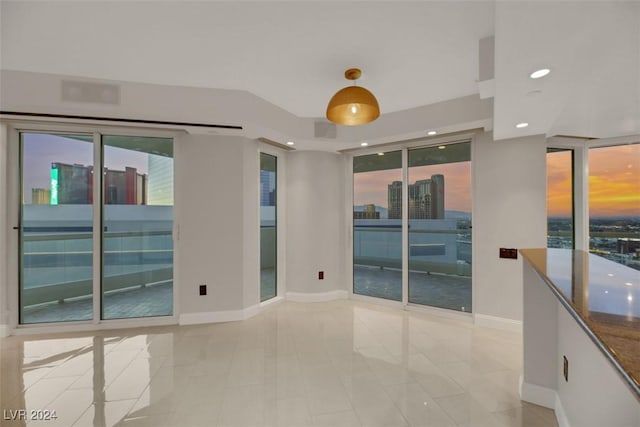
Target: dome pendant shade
[[353, 105]]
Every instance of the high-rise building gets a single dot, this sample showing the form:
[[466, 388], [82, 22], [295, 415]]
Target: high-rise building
[[394, 199], [160, 180], [40, 196], [73, 185], [426, 198], [267, 188], [369, 212]]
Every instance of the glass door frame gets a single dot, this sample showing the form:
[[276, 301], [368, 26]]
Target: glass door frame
[[14, 225], [404, 147], [281, 216]]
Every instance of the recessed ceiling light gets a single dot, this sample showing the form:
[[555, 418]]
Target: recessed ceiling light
[[290, 142], [522, 125], [364, 144], [442, 147], [539, 73], [380, 154], [432, 132]]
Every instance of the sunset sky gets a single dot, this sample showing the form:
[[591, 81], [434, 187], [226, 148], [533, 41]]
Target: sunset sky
[[614, 183], [371, 187]]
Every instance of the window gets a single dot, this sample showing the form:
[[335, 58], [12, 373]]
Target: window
[[377, 225], [560, 222], [439, 202], [56, 233], [137, 233], [126, 259], [614, 203], [268, 226]]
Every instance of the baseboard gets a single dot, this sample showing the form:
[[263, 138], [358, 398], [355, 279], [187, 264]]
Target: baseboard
[[5, 331], [211, 317], [494, 322], [265, 304], [539, 395], [228, 315], [317, 297], [561, 415]]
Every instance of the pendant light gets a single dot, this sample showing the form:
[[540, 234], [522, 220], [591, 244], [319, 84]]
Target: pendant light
[[353, 105]]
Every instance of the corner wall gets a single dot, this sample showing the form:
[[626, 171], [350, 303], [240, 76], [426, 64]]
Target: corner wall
[[213, 214], [509, 211], [315, 225]]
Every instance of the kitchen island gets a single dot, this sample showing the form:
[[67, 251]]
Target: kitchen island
[[581, 332]]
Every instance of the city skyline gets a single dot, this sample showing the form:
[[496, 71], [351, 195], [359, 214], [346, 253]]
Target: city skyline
[[371, 187], [613, 170]]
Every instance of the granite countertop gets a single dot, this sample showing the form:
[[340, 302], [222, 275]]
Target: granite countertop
[[603, 296]]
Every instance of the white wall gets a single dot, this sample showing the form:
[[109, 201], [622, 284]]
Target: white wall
[[316, 235], [4, 229], [209, 203], [251, 223], [510, 211]]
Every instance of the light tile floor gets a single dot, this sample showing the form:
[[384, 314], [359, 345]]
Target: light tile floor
[[340, 363]]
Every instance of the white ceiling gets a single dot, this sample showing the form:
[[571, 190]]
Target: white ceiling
[[293, 54]]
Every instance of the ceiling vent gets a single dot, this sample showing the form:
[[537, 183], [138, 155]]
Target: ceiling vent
[[95, 93], [324, 130]]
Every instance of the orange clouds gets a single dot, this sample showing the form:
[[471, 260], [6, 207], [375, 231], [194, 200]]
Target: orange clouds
[[559, 197], [614, 182]]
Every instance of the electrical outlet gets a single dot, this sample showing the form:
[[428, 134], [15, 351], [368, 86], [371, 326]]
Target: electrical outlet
[[203, 289], [320, 275], [509, 253], [565, 368]]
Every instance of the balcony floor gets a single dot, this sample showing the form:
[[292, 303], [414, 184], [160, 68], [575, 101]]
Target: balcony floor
[[444, 291], [156, 300]]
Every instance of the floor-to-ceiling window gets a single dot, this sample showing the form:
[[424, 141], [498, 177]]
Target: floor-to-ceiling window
[[614, 203], [268, 226], [56, 227], [560, 210], [433, 218], [137, 233], [96, 225], [377, 225], [439, 211]]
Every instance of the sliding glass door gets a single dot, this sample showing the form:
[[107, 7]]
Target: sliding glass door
[[56, 228], [439, 202], [137, 241], [377, 225], [70, 271], [436, 202]]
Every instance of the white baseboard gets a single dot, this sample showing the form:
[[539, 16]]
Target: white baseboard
[[211, 317], [228, 315], [265, 304], [5, 331], [494, 322], [539, 395], [561, 415], [317, 297]]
